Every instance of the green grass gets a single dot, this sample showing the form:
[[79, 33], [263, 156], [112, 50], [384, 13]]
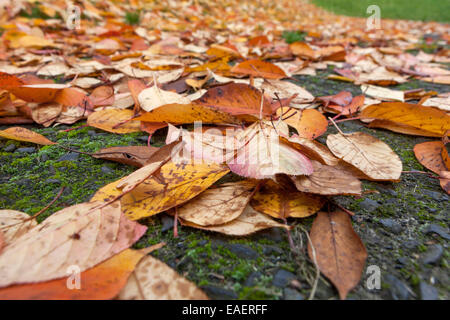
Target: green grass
[[132, 18], [428, 10]]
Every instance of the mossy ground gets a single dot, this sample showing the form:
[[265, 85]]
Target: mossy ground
[[29, 181]]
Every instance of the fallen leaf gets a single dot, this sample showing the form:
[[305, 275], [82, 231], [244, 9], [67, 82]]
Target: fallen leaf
[[154, 97], [218, 205], [186, 113], [131, 155], [101, 282], [369, 154], [250, 221], [431, 155], [328, 180], [14, 224], [309, 123], [417, 116], [264, 155], [22, 134], [62, 241], [312, 149], [114, 120], [154, 280], [339, 252], [175, 184], [401, 128], [259, 68], [236, 99], [281, 203]]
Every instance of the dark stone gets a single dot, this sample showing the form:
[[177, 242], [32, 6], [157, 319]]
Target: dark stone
[[44, 157], [10, 148], [434, 228], [24, 182], [291, 294], [203, 243], [242, 251], [398, 290], [143, 138], [402, 260], [435, 195], [71, 156], [252, 278], [274, 234], [369, 204], [392, 225], [52, 181], [92, 133], [167, 222], [219, 293], [411, 244], [268, 250], [386, 189], [26, 150], [428, 292], [282, 278], [215, 243], [433, 254], [106, 170]]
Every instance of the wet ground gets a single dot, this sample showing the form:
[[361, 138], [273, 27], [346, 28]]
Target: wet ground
[[403, 225]]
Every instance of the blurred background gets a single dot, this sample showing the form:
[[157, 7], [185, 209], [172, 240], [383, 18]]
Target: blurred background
[[425, 10]]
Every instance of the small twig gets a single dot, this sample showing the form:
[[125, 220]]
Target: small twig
[[70, 129], [313, 253], [175, 224], [348, 119], [37, 213], [335, 125], [291, 242]]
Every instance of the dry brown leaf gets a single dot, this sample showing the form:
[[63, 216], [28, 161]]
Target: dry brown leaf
[[259, 68], [431, 155], [250, 221], [14, 224], [187, 113], [281, 203], [368, 154], [114, 120], [338, 250], [22, 134], [63, 239], [401, 128], [154, 280], [132, 155], [328, 180], [101, 282], [218, 205], [417, 116], [313, 149]]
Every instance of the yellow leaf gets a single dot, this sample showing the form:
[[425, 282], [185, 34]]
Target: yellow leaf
[[22, 134]]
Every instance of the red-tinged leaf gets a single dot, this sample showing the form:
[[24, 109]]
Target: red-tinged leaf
[[83, 235]]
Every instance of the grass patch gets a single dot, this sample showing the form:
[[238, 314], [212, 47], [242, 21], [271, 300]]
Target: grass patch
[[293, 36], [430, 10], [132, 18]]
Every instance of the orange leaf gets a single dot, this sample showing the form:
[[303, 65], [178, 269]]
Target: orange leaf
[[236, 99], [22, 134], [417, 116], [114, 120], [431, 155], [101, 282], [259, 68], [310, 124]]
